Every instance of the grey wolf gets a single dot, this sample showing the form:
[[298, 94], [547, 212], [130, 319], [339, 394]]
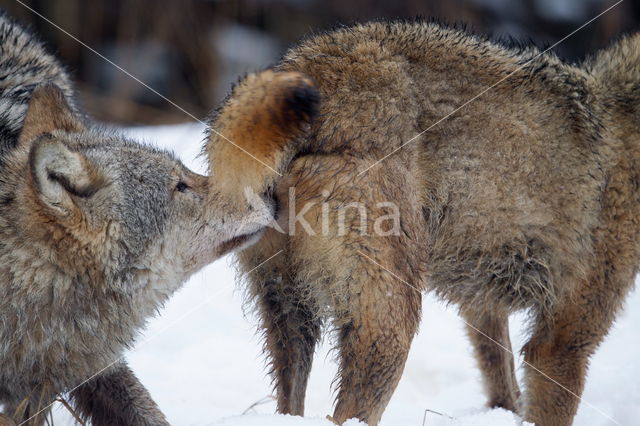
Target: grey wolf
[[96, 233]]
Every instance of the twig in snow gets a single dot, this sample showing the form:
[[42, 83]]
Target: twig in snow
[[262, 401], [424, 417]]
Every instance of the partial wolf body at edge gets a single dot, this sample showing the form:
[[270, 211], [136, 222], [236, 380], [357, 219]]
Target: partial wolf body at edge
[[526, 198], [96, 233]]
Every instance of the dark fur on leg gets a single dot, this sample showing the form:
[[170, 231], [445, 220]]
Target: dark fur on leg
[[489, 335], [289, 320], [117, 398]]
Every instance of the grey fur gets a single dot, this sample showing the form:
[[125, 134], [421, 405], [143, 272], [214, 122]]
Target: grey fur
[[96, 232], [25, 65]]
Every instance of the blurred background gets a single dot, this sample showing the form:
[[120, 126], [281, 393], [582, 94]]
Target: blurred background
[[192, 50]]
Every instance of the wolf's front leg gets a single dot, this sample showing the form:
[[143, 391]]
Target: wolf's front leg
[[117, 398], [557, 355], [489, 335]]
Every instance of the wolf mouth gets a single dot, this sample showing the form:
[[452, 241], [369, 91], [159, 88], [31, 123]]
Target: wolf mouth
[[240, 241]]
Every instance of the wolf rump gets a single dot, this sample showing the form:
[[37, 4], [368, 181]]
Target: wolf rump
[[96, 232], [527, 198]]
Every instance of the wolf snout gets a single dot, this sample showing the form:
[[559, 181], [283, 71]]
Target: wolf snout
[[262, 208], [244, 236]]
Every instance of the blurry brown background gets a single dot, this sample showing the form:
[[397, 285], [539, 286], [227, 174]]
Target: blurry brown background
[[191, 50]]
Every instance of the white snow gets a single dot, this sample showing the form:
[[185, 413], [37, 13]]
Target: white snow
[[201, 358]]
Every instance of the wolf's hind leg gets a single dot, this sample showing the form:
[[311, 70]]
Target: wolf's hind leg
[[290, 322], [117, 398], [367, 271], [374, 338], [489, 335], [291, 333]]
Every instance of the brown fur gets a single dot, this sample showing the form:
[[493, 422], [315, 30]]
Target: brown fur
[[526, 198], [261, 118], [47, 113]]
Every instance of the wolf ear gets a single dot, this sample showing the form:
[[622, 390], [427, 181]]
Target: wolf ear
[[60, 174], [48, 111]]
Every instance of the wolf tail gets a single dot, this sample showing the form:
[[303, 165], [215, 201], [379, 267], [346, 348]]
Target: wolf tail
[[616, 70], [257, 130]]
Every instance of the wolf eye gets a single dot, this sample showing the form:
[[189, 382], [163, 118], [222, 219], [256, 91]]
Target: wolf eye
[[181, 186]]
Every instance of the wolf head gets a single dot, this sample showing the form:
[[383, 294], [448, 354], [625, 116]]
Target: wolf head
[[103, 208], [252, 138]]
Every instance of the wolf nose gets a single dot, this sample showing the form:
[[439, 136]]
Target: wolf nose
[[269, 206]]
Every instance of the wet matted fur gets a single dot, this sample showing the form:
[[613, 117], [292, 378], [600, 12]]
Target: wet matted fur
[[526, 198]]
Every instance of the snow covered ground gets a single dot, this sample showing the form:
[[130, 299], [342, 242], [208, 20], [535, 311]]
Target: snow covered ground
[[202, 362]]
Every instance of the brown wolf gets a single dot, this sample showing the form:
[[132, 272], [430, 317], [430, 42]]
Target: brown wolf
[[96, 232], [526, 198]]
